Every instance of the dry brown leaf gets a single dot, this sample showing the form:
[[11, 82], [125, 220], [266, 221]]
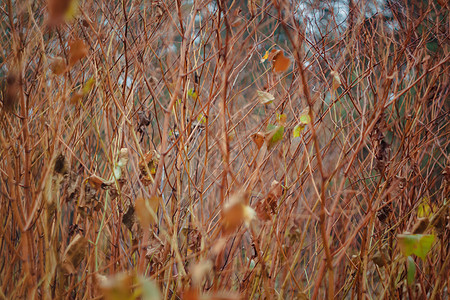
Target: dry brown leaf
[[11, 95], [74, 254], [58, 65], [78, 50], [263, 211], [280, 62], [146, 210], [96, 182], [76, 98], [150, 161], [421, 225], [258, 138]]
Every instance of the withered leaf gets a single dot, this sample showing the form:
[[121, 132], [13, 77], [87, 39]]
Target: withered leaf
[[58, 65], [258, 138], [74, 254], [280, 63], [235, 212], [78, 50], [146, 210]]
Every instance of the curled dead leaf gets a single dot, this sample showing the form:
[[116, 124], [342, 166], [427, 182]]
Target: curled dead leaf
[[96, 182], [258, 138], [150, 162], [74, 254]]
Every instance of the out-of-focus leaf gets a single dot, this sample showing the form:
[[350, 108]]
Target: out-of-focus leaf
[[62, 10], [11, 94], [418, 244], [58, 65], [149, 290], [78, 50], [411, 271], [235, 212], [118, 287], [265, 97], [88, 85], [420, 226], [146, 210], [200, 270]]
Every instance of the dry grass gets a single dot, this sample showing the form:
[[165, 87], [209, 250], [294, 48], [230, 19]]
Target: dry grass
[[176, 85]]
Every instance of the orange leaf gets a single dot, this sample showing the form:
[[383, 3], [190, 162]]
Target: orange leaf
[[78, 50], [280, 62], [258, 138]]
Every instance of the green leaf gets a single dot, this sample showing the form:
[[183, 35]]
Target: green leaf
[[149, 289], [265, 97], [418, 244], [297, 130], [192, 93], [275, 133], [411, 271], [201, 119], [304, 117]]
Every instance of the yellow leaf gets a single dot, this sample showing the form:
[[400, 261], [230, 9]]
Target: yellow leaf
[[297, 130], [88, 85], [265, 57]]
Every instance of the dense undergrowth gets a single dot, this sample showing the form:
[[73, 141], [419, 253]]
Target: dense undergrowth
[[224, 150]]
